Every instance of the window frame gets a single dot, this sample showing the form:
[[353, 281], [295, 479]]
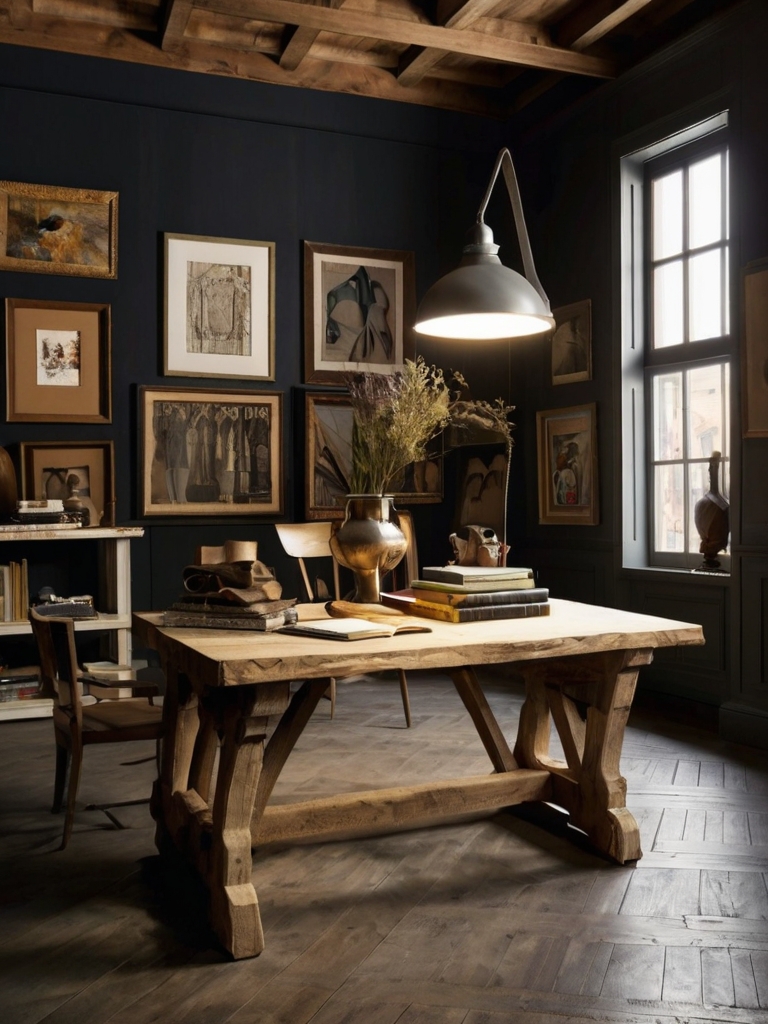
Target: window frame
[[707, 130], [688, 354]]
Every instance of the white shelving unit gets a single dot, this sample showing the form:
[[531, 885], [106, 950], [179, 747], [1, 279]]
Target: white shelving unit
[[114, 546]]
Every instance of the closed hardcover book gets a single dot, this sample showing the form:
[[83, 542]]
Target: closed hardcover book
[[446, 613], [474, 586], [466, 574], [202, 620], [477, 599]]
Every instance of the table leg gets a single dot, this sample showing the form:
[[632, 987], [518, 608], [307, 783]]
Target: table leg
[[589, 699]]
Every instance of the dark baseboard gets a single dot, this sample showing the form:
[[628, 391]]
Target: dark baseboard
[[741, 723]]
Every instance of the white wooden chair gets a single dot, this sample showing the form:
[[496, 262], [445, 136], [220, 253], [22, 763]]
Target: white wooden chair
[[311, 540]]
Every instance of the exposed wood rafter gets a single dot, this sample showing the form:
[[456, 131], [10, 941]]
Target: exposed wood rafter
[[300, 40]]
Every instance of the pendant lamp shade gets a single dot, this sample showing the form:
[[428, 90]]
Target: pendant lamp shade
[[483, 299]]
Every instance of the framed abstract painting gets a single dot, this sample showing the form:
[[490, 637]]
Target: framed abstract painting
[[567, 465]]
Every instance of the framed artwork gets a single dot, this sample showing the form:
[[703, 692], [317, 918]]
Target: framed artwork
[[567, 464], [755, 351], [211, 453], [358, 310], [53, 469], [219, 307], [329, 461], [572, 343], [58, 364], [46, 229]]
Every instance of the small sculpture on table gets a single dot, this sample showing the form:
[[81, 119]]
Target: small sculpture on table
[[710, 514]]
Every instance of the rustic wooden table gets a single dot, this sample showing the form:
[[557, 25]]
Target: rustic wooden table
[[580, 665]]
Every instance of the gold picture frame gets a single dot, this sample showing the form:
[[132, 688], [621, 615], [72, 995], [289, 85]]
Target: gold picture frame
[[219, 316], [50, 229], [58, 361], [359, 306], [328, 461], [211, 452], [567, 465], [47, 467]]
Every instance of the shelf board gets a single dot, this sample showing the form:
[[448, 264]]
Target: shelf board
[[86, 533], [104, 620], [36, 707]]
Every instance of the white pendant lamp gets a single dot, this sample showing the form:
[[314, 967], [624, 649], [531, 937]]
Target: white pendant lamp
[[482, 299]]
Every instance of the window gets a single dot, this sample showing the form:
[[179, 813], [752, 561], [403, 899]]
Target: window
[[676, 316]]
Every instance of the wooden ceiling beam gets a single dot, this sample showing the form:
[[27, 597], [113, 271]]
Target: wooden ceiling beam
[[93, 40], [20, 13], [593, 21], [300, 42], [417, 61], [175, 19], [365, 25]]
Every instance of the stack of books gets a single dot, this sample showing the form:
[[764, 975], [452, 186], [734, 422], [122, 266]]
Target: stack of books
[[207, 613], [41, 514], [14, 591], [470, 593]]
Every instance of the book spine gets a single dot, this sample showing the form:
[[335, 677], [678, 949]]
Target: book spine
[[501, 611], [533, 596]]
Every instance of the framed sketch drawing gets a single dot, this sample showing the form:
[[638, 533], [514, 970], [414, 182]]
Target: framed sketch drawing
[[329, 461], [567, 465], [46, 229], [57, 362], [52, 469], [219, 307], [211, 453], [755, 351], [572, 343], [358, 311]]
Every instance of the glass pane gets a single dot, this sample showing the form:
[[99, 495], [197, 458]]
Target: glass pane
[[698, 481], [705, 411], [667, 228], [705, 202], [668, 305], [705, 289], [667, 417], [669, 511]]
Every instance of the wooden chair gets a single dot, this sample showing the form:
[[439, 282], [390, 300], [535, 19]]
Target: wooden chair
[[310, 540], [75, 725]]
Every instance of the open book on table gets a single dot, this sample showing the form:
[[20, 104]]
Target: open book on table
[[354, 628]]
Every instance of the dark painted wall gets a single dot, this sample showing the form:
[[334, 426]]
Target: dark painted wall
[[208, 156], [569, 169]]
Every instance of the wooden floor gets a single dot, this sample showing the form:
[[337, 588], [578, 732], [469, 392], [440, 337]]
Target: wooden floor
[[497, 921]]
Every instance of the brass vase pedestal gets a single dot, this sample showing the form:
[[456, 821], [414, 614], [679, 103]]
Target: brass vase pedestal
[[369, 542]]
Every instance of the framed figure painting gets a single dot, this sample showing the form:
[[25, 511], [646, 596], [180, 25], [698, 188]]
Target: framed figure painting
[[358, 310], [219, 307], [210, 452], [329, 461], [572, 343], [567, 465]]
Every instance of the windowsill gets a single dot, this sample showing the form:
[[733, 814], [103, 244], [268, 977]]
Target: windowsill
[[671, 575]]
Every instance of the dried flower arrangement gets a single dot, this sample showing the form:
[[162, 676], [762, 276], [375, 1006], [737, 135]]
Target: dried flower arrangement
[[397, 415]]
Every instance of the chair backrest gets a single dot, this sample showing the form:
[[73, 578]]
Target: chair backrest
[[308, 540], [55, 638], [311, 540]]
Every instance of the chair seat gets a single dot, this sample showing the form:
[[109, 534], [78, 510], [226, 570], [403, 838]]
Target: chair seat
[[121, 714]]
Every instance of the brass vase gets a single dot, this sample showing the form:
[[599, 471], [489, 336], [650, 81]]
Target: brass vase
[[369, 542]]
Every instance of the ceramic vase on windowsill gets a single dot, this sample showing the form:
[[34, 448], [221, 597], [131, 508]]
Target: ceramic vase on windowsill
[[710, 514], [369, 542]]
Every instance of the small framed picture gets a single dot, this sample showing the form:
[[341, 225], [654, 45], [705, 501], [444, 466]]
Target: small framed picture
[[567, 464], [57, 469], [46, 229], [329, 461], [572, 343], [210, 452], [219, 307], [358, 311], [57, 362]]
